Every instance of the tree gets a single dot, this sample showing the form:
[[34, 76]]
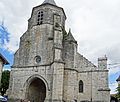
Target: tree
[[5, 81], [118, 92]]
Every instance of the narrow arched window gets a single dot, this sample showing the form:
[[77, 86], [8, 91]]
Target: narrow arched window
[[81, 85], [40, 17]]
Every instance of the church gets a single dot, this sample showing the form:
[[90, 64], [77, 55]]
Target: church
[[47, 66]]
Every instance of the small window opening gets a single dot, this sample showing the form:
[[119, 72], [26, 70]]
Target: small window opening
[[40, 18], [81, 86]]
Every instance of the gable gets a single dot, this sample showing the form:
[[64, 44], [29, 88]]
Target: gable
[[3, 59], [83, 64]]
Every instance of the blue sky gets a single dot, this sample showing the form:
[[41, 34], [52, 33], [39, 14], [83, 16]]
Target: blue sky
[[9, 56], [4, 39], [95, 24]]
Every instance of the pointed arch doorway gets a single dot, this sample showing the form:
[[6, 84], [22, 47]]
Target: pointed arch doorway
[[36, 91]]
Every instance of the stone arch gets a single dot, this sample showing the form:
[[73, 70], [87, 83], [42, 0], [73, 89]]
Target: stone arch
[[36, 76], [31, 80]]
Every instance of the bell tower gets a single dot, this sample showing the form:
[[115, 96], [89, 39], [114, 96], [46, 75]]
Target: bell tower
[[48, 22], [40, 55], [44, 14], [41, 44]]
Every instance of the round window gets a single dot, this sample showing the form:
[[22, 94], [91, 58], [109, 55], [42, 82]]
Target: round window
[[37, 59]]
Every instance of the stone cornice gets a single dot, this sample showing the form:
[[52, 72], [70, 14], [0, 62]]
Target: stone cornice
[[86, 71], [107, 89], [32, 66], [56, 61]]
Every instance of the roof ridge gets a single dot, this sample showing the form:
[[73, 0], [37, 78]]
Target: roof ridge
[[118, 79], [4, 59]]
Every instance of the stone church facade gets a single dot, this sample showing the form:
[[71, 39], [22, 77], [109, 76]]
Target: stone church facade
[[47, 66]]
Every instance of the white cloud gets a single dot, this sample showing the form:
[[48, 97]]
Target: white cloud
[[114, 70], [95, 24], [113, 87]]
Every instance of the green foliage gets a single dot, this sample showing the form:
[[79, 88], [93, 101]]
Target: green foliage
[[4, 81], [118, 91]]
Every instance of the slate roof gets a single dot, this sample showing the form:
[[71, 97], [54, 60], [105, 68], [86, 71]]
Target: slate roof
[[49, 2], [3, 59], [118, 79], [70, 37]]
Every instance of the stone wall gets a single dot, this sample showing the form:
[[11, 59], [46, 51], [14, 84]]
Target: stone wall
[[70, 85], [22, 77], [35, 42], [96, 85], [95, 81]]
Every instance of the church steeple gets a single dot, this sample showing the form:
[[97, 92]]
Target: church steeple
[[70, 36], [49, 2], [47, 13]]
